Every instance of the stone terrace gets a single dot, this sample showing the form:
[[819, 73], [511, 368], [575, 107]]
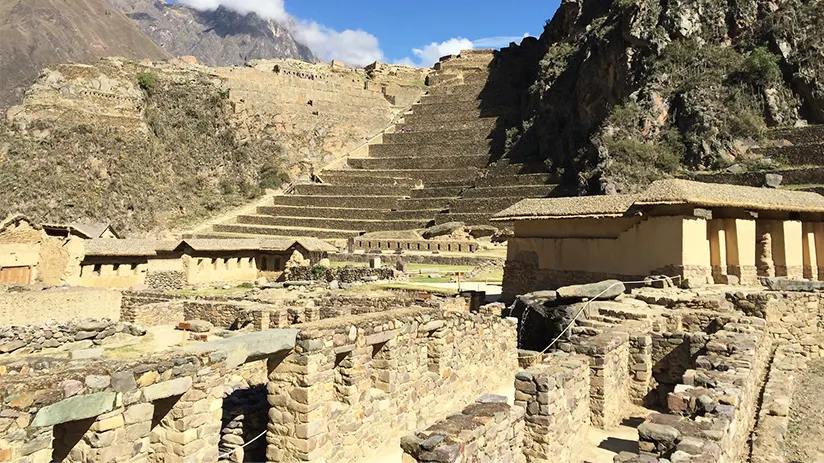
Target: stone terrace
[[436, 167]]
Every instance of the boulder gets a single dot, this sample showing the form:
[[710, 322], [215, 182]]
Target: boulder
[[609, 289], [442, 230], [773, 180], [664, 436], [482, 231], [199, 326], [542, 318]]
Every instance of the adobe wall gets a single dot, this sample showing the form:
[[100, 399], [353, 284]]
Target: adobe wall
[[220, 269], [355, 383], [61, 305]]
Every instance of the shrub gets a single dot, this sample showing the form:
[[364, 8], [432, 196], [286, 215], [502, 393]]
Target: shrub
[[148, 82], [271, 177], [761, 67]]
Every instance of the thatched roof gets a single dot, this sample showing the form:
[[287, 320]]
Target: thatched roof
[[720, 195], [221, 244], [315, 245], [254, 244], [130, 248], [666, 192], [562, 208], [84, 230]]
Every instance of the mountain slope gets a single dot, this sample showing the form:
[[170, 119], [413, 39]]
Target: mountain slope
[[36, 33], [219, 37], [627, 91]]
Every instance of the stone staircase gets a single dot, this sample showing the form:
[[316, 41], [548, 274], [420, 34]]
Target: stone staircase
[[800, 154], [435, 168]]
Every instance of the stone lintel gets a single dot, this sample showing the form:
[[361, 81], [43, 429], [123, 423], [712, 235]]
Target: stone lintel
[[167, 389], [75, 409], [381, 337], [251, 347]]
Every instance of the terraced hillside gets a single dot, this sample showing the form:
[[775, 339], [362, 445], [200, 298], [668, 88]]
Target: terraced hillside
[[443, 163], [793, 159]]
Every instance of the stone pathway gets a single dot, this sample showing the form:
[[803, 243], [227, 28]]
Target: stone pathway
[[603, 444]]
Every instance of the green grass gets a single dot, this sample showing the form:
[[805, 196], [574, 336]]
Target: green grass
[[417, 287], [426, 279], [495, 276], [345, 264], [440, 268]]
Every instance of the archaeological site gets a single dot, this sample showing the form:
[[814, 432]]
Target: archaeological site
[[230, 232]]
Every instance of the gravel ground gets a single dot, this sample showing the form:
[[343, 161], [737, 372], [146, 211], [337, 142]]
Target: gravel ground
[[805, 443]]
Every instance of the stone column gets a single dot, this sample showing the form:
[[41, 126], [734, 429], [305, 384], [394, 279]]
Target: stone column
[[793, 264], [809, 251], [818, 230], [741, 244], [765, 263], [718, 250]]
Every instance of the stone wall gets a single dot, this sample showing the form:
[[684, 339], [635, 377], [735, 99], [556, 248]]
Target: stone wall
[[771, 430], [166, 281], [416, 245], [485, 432], [721, 393], [791, 317], [392, 260], [355, 383], [60, 304], [77, 335], [609, 382], [555, 396], [160, 313], [347, 274]]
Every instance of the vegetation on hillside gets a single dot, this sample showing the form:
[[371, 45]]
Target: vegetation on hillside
[[628, 91], [188, 165]]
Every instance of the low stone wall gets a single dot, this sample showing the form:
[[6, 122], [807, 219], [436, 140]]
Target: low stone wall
[[356, 383], [773, 418], [245, 414], [392, 260], [555, 396], [160, 313], [416, 245], [791, 317], [166, 281], [721, 393], [481, 433], [80, 334], [59, 304], [342, 274], [609, 382]]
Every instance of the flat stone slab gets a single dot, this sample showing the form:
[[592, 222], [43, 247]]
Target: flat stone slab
[[784, 284], [251, 347], [167, 389], [75, 409], [84, 354], [608, 289]]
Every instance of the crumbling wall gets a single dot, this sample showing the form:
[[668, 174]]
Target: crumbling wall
[[355, 383], [555, 396], [791, 317], [481, 433], [27, 339]]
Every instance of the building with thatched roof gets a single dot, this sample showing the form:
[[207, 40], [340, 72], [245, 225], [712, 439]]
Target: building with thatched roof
[[706, 233]]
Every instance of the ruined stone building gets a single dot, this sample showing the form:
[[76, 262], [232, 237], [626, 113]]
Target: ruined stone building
[[703, 233]]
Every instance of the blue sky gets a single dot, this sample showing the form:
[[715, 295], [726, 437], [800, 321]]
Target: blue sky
[[360, 31]]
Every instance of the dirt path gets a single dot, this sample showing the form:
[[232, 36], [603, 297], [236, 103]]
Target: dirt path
[[804, 442]]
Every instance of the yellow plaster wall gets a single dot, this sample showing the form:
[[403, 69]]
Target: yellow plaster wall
[[649, 245], [238, 268], [166, 265], [115, 276]]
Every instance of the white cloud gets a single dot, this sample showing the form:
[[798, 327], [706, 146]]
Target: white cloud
[[357, 48], [353, 47], [497, 42], [429, 54], [269, 9]]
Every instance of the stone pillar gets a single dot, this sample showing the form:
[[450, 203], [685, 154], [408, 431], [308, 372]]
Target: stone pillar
[[718, 249], [793, 264], [809, 251], [818, 230], [741, 245], [696, 262], [765, 262]]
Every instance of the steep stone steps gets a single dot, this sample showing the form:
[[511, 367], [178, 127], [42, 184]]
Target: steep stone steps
[[323, 189], [796, 155], [466, 218], [367, 178], [522, 191], [489, 206], [294, 232], [434, 119], [483, 108], [794, 176], [386, 176], [457, 161], [438, 192], [426, 203], [429, 150], [486, 123], [438, 136], [323, 212], [517, 180], [813, 134], [459, 77], [368, 202], [332, 223]]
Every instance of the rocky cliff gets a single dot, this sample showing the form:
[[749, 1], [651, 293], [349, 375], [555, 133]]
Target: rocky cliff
[[626, 91], [153, 146], [219, 37], [37, 33]]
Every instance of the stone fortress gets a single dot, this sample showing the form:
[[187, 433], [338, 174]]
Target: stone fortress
[[698, 359]]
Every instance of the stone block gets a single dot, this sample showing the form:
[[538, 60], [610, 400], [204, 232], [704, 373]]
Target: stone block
[[110, 423], [167, 389], [85, 354], [75, 408], [138, 413]]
